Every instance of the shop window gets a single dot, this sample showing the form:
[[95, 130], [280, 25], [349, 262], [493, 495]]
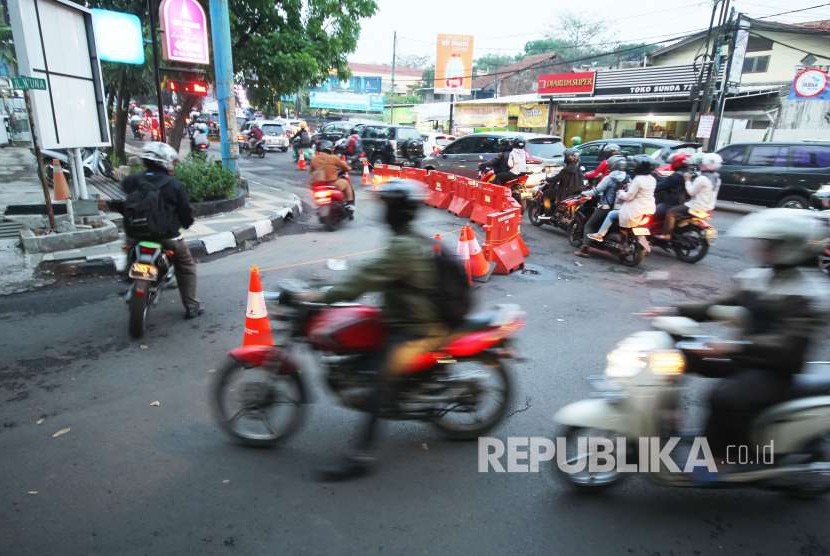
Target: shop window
[[768, 155], [758, 44], [756, 64], [757, 124]]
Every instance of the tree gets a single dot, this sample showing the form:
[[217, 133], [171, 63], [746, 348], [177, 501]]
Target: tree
[[7, 56], [576, 37], [491, 62], [281, 47]]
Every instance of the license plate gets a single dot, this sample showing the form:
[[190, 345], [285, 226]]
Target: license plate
[[527, 194], [143, 271], [699, 213], [641, 231], [711, 233]]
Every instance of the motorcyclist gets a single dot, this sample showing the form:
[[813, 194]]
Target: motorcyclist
[[135, 124], [200, 136], [780, 310], [609, 150], [301, 141], [406, 275], [326, 167], [159, 161], [637, 199], [255, 136], [703, 192], [607, 192], [567, 182], [516, 162], [354, 145], [499, 162], [671, 190]]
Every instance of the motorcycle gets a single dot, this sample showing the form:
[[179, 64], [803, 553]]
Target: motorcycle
[[820, 201], [199, 149], [258, 150], [330, 204], [563, 214], [463, 389], [95, 163], [519, 189], [136, 128], [640, 397], [354, 160], [150, 270], [690, 239], [628, 244]]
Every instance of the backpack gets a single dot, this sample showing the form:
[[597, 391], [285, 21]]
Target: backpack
[[305, 139], [146, 215], [453, 297]]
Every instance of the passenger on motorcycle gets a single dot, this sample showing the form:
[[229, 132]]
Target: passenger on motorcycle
[[703, 192], [406, 275], [354, 145], [326, 167], [671, 190], [499, 162], [256, 136], [637, 199], [609, 150], [567, 182], [515, 162], [200, 136], [780, 310], [607, 192]]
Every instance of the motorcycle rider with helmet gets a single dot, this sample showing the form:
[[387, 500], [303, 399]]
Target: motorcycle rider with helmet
[[703, 192], [637, 199], [200, 136], [671, 190], [607, 190], [516, 162], [326, 167], [406, 275], [609, 150], [255, 136], [780, 310], [567, 182], [499, 162]]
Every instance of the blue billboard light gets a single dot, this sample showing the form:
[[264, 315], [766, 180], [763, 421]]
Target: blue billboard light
[[118, 37]]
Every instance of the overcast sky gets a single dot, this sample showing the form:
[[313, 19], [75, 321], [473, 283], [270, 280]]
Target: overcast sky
[[418, 23]]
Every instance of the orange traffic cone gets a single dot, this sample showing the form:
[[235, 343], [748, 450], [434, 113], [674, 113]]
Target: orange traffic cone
[[257, 326], [366, 179], [59, 181], [301, 160], [463, 252], [479, 267]]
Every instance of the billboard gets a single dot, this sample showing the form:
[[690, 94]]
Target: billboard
[[810, 84], [118, 37], [454, 64], [572, 83], [359, 84], [345, 101], [184, 27]]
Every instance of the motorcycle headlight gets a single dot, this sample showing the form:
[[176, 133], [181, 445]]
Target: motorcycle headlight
[[625, 363], [669, 362]]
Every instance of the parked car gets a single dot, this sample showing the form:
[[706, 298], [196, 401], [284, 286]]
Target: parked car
[[273, 131], [392, 144], [590, 153], [463, 155], [435, 142], [774, 174]]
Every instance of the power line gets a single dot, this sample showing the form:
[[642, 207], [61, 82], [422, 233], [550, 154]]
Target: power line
[[816, 54], [794, 11]]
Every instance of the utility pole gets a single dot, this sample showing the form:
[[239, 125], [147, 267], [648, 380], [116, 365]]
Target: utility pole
[[720, 103], [394, 59], [152, 8], [220, 30], [690, 129]]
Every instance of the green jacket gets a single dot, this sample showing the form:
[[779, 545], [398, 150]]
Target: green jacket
[[406, 276]]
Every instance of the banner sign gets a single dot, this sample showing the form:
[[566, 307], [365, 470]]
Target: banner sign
[[481, 115], [573, 83], [345, 101], [185, 30], [810, 84], [454, 64], [705, 125], [533, 115], [356, 84], [118, 37], [676, 81]]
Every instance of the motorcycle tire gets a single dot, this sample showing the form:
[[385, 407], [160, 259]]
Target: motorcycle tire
[[228, 423], [139, 307], [108, 170], [534, 210], [695, 235], [819, 450], [261, 153], [332, 221], [824, 261], [454, 432], [589, 483], [576, 232], [633, 259]]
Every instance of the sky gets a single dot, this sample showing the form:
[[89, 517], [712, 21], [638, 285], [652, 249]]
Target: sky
[[418, 23]]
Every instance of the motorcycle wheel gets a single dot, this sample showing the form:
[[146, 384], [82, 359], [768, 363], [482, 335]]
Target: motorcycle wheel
[[261, 153], [331, 222], [690, 244], [576, 232], [107, 169], [139, 305], [813, 485], [824, 261], [635, 257], [534, 210], [586, 481], [257, 399], [468, 401]]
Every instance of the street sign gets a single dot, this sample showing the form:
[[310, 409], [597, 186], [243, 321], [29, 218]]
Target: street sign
[[704, 126], [23, 83], [185, 30]]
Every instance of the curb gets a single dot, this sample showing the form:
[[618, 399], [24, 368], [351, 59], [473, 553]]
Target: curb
[[239, 239]]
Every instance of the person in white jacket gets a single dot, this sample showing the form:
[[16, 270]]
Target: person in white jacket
[[703, 192], [637, 200]]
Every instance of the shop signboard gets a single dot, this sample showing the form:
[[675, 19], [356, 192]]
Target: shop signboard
[[572, 83], [533, 115], [345, 101], [810, 84], [454, 64], [481, 115], [676, 81]]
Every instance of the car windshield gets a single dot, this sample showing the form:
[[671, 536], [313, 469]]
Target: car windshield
[[546, 148], [272, 129]]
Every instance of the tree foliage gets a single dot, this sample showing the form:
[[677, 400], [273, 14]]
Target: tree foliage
[[282, 46], [490, 62]]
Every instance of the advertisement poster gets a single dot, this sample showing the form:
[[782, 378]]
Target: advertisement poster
[[533, 115], [185, 30], [454, 64], [571, 83], [810, 84], [481, 115]]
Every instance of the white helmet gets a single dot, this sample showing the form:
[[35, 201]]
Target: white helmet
[[796, 234], [161, 153], [710, 162]]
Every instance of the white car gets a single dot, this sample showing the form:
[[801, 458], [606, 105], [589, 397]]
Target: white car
[[435, 142], [273, 131]]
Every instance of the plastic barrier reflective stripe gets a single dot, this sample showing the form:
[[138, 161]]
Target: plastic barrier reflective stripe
[[491, 198], [503, 243], [461, 204], [440, 190]]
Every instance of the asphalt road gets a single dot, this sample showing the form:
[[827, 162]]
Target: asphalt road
[[133, 478]]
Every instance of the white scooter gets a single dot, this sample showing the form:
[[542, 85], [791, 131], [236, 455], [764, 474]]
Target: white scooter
[[95, 162], [640, 397]]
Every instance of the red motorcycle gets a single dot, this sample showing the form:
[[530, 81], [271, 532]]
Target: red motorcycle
[[330, 203], [463, 389], [518, 186], [690, 239]]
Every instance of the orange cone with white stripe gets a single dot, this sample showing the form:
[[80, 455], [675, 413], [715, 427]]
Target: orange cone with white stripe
[[463, 252], [366, 179], [59, 181], [257, 326], [301, 160], [480, 269]]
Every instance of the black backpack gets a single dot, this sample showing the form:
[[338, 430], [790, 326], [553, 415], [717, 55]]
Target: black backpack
[[453, 297], [146, 215]]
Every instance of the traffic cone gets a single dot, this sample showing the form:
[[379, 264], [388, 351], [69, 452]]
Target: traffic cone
[[59, 181], [301, 160], [479, 267], [257, 326], [366, 179], [463, 252]]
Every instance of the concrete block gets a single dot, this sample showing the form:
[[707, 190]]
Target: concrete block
[[197, 248], [219, 242], [263, 228], [70, 240], [244, 233]]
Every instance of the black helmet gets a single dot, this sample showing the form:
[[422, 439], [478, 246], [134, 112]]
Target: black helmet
[[642, 165], [611, 149], [519, 143], [570, 153], [505, 144], [325, 147], [402, 198], [617, 162]]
